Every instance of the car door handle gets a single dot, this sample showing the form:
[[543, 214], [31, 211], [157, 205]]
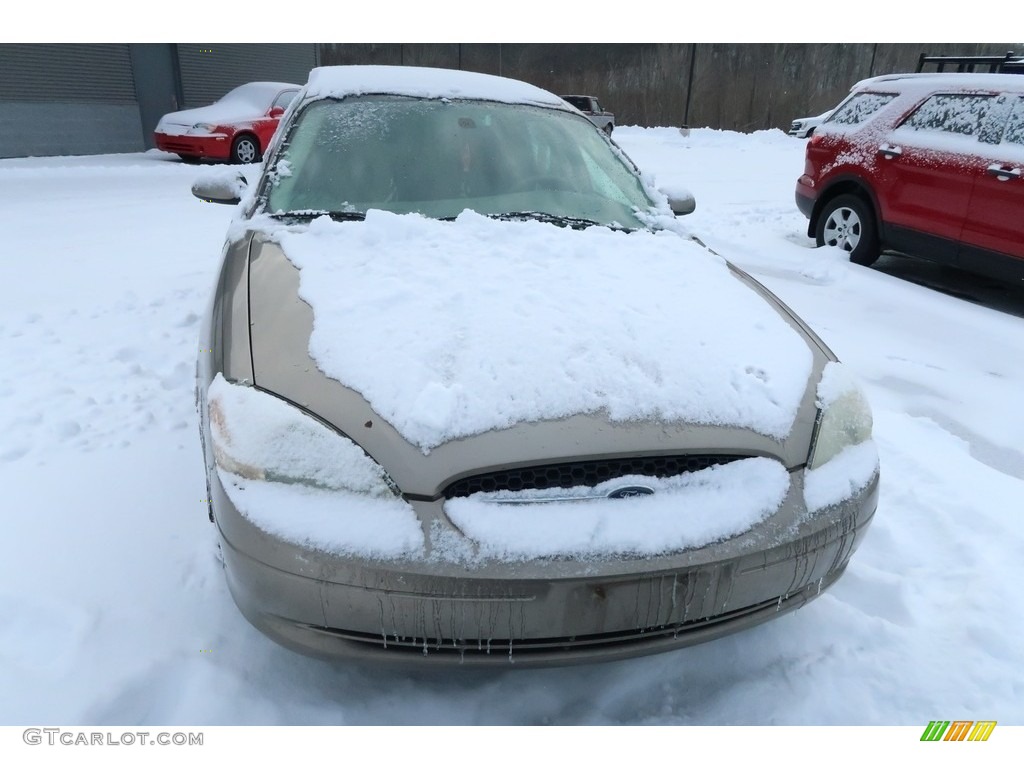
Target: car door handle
[[1002, 173], [889, 151]]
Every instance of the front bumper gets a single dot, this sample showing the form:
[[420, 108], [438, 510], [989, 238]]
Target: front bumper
[[214, 146], [535, 612]]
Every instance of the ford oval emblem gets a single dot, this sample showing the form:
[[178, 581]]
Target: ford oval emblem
[[629, 491]]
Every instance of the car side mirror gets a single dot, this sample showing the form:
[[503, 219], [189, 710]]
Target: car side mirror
[[276, 111], [680, 199], [681, 202], [226, 188]]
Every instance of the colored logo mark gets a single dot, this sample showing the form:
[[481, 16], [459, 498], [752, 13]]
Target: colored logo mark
[[958, 730]]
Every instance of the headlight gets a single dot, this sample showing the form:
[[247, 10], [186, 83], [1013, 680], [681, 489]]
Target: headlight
[[260, 437], [203, 128], [298, 480], [844, 417]]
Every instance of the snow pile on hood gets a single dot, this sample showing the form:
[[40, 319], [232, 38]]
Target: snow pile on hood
[[424, 82], [685, 511], [452, 329]]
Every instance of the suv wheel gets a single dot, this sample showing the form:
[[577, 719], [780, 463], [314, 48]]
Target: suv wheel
[[848, 223]]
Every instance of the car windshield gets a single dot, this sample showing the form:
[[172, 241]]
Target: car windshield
[[440, 157]]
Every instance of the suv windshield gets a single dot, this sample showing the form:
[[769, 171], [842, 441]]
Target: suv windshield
[[439, 157]]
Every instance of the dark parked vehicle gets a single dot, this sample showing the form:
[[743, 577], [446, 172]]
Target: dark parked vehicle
[[926, 164], [591, 107]]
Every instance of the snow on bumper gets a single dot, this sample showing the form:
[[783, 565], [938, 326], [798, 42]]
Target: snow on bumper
[[660, 515], [214, 145], [541, 611]]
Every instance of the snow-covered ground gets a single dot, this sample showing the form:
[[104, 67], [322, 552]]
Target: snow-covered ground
[[115, 609]]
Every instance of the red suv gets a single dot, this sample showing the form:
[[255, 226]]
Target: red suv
[[924, 164]]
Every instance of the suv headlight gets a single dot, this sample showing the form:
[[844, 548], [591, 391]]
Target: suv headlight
[[260, 437], [844, 416]]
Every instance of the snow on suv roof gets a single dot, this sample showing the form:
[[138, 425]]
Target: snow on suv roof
[[423, 82], [931, 81]]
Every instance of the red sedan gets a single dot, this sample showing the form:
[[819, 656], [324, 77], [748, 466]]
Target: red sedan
[[237, 128]]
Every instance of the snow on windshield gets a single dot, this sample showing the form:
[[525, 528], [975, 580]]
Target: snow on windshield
[[451, 329], [440, 157]]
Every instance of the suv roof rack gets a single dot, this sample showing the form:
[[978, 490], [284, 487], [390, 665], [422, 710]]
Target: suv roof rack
[[1008, 62]]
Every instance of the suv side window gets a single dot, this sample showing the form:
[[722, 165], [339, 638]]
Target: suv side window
[[959, 113], [859, 108], [1014, 133]]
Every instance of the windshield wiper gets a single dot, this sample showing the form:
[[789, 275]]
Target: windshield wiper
[[309, 215], [550, 218], [574, 222]]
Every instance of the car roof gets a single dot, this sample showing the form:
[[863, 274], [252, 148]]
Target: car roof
[[423, 82], [271, 84], [936, 81], [265, 86]]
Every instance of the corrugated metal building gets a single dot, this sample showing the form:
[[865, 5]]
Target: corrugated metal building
[[83, 99]]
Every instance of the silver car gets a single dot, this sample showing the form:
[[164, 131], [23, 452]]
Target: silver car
[[470, 393], [803, 127]]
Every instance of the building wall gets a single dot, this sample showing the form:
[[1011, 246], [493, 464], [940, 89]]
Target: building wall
[[94, 98], [728, 86], [67, 100], [29, 129], [210, 70]]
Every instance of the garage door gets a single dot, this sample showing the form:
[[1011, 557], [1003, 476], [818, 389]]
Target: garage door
[[208, 71], [67, 99]]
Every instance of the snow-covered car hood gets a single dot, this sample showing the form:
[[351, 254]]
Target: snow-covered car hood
[[472, 327], [233, 112]]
